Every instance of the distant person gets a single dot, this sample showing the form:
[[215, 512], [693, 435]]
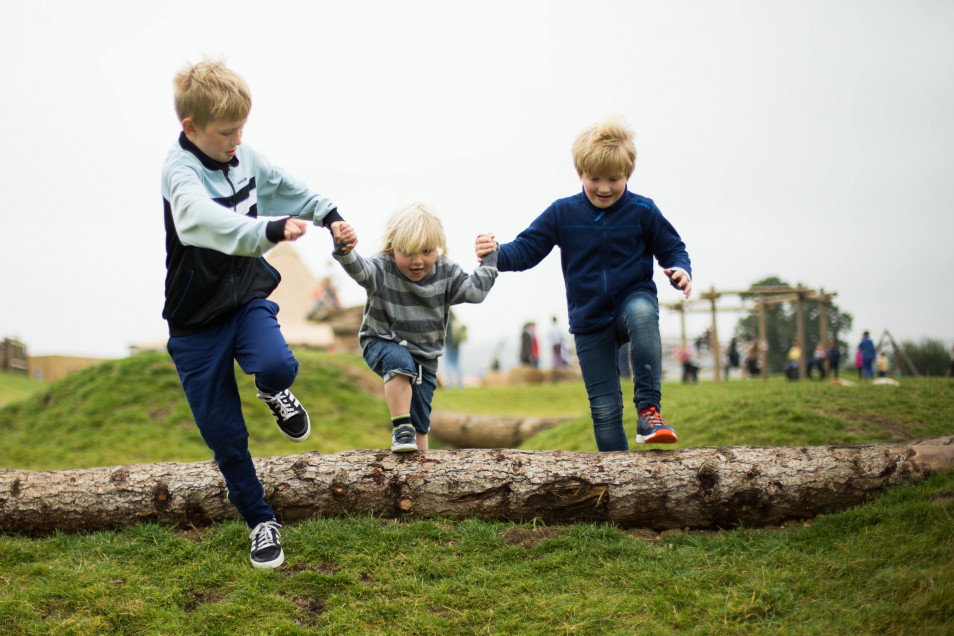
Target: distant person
[[557, 346], [834, 358], [411, 286], [495, 361], [455, 336], [950, 368], [858, 362], [731, 356], [608, 237], [882, 364], [529, 346], [819, 360], [867, 349], [793, 360], [690, 370], [324, 295], [214, 190], [753, 357]]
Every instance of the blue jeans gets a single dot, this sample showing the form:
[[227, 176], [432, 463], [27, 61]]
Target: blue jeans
[[206, 366], [388, 359], [636, 322]]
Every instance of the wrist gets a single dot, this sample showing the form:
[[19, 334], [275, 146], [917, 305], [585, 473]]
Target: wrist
[[331, 218], [275, 230]]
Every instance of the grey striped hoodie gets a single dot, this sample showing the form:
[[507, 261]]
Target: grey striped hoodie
[[415, 313]]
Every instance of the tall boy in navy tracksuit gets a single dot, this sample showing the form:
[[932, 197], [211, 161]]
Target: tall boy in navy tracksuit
[[214, 190]]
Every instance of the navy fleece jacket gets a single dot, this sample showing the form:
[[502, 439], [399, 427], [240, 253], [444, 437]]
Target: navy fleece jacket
[[606, 254]]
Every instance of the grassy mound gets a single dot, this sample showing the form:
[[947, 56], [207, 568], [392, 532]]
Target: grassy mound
[[880, 568], [133, 410]]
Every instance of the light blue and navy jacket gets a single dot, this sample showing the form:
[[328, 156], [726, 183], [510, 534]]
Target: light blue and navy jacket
[[214, 238], [606, 254]]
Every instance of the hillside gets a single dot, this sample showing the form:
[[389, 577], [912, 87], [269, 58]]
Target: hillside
[[133, 410]]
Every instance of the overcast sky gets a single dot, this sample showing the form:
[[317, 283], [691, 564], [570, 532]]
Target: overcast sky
[[813, 141]]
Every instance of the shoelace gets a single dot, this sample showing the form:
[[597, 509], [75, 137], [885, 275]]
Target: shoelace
[[265, 535], [651, 415], [284, 402]]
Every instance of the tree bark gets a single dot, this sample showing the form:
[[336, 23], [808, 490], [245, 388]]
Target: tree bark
[[459, 430], [708, 487]]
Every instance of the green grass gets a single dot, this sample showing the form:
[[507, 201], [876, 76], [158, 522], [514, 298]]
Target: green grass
[[884, 567], [15, 387], [739, 412]]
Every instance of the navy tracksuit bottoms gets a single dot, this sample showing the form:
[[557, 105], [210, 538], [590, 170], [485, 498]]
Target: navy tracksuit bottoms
[[206, 366]]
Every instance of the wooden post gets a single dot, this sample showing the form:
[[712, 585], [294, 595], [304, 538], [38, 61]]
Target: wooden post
[[900, 353], [714, 339], [823, 327], [763, 350], [800, 323]]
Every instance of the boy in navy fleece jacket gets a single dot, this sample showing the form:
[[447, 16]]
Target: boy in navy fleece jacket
[[608, 237]]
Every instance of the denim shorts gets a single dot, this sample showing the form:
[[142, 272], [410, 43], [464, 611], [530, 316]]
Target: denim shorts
[[388, 359]]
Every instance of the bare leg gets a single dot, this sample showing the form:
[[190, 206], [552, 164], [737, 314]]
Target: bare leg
[[421, 442], [397, 393]]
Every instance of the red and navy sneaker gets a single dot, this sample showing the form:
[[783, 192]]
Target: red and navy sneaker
[[651, 429]]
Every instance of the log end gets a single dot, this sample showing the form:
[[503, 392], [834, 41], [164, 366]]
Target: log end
[[934, 455]]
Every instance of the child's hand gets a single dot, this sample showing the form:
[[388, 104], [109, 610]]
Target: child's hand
[[344, 236], [679, 280], [485, 244], [295, 229]]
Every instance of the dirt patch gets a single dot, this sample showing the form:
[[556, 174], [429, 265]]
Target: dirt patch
[[530, 537], [321, 568], [644, 534], [192, 533], [943, 498], [158, 415], [897, 431], [309, 606], [201, 598]]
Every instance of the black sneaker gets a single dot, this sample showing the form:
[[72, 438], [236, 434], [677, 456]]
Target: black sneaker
[[290, 415], [403, 439], [267, 550]]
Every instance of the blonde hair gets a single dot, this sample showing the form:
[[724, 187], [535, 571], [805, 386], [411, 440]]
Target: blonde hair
[[414, 228], [605, 150], [210, 91]]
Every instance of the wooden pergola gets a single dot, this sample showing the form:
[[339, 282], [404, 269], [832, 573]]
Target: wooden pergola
[[765, 296]]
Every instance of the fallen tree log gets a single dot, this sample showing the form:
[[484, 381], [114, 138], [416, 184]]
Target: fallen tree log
[[707, 487], [460, 430]]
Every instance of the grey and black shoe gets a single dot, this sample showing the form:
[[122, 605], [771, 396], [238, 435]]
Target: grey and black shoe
[[267, 550], [403, 439], [290, 415]]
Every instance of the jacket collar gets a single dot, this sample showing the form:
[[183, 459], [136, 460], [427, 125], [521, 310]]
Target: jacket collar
[[206, 160], [601, 211]]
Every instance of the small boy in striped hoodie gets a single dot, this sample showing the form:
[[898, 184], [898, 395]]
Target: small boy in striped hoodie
[[411, 286]]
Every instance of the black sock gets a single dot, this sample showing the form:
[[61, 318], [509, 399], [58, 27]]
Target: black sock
[[400, 419]]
